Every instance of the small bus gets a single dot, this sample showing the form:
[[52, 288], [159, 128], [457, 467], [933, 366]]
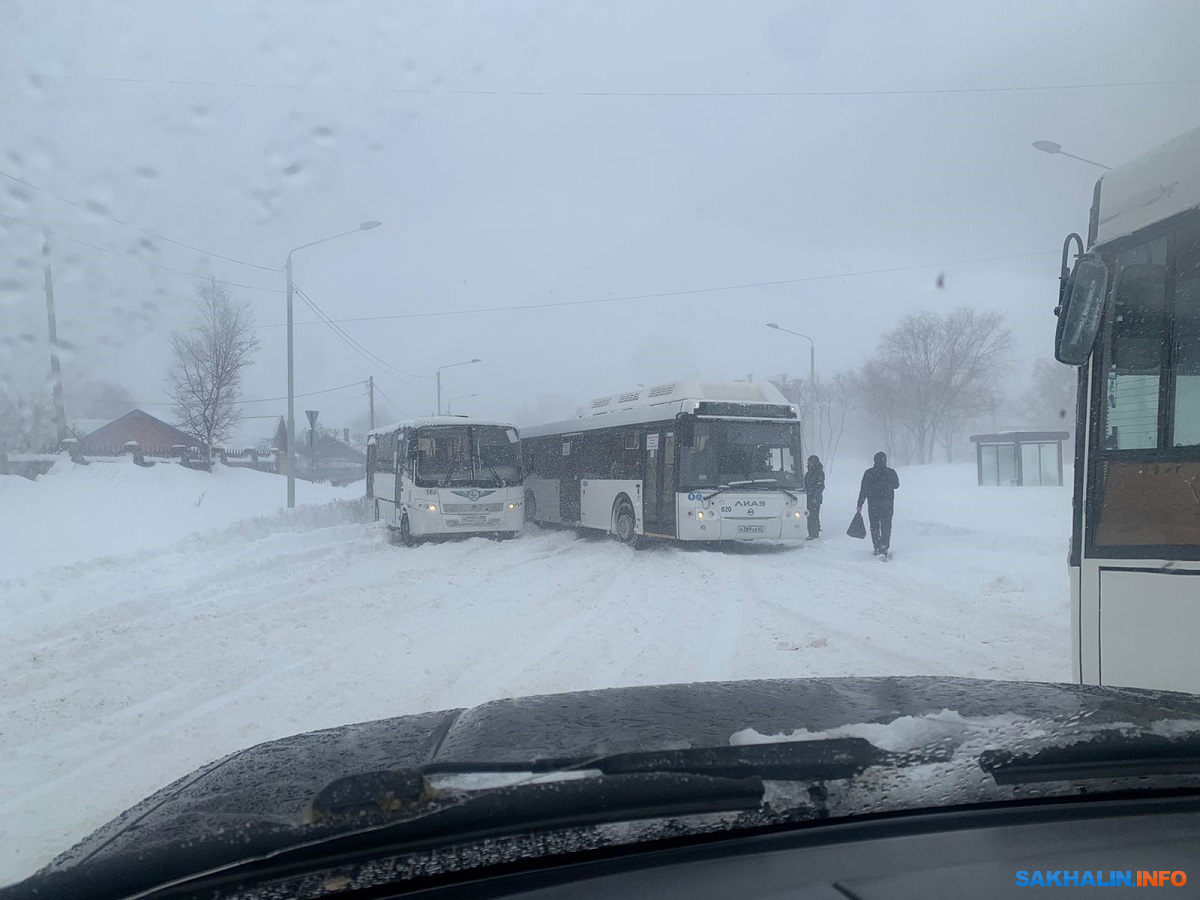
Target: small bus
[[446, 475], [1129, 319], [683, 461]]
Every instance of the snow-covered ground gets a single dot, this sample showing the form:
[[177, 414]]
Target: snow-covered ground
[[120, 673], [75, 512]]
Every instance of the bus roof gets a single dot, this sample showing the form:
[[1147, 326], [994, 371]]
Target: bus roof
[[661, 402], [1150, 188], [439, 420]]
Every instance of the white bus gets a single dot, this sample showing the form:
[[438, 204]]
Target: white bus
[[446, 475], [1129, 318], [688, 461]]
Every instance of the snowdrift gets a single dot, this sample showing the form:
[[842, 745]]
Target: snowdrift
[[75, 513]]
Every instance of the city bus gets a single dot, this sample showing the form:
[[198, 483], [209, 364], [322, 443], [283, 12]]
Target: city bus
[[685, 461], [1129, 319], [446, 475]]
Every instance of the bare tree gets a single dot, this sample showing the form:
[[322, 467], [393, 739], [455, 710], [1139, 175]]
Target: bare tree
[[208, 360], [824, 405], [932, 374], [26, 420], [1051, 396], [878, 396]]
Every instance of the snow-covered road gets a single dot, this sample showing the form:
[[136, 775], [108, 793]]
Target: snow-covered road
[[119, 674]]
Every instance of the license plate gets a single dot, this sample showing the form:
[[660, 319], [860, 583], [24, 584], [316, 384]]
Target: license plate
[[752, 529], [474, 520]]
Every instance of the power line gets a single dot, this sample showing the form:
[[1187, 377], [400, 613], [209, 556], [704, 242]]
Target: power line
[[662, 295], [119, 221], [470, 92], [391, 403], [236, 402], [145, 262], [388, 368]]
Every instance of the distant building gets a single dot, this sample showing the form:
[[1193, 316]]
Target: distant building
[[335, 461], [155, 436]]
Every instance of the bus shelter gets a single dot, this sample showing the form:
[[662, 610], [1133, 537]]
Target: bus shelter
[[1020, 458]]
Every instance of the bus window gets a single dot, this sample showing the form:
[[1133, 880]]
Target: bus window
[[1186, 411], [1135, 348]]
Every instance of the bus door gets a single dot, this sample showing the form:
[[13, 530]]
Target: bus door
[[658, 486], [568, 484]]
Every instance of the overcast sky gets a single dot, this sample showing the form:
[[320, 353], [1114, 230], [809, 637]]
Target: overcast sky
[[535, 153]]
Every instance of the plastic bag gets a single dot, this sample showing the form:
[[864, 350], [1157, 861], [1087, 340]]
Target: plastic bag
[[857, 529]]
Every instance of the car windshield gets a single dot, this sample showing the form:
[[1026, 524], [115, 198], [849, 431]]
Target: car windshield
[[467, 455], [733, 453], [379, 359]]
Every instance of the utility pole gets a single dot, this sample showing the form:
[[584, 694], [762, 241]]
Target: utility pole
[[291, 422], [371, 393], [60, 416], [439, 391]]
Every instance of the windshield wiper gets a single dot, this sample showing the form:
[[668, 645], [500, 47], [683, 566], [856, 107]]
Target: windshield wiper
[[1102, 757], [775, 481], [357, 802], [450, 471], [499, 480]]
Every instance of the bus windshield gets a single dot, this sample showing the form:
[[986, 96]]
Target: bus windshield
[[468, 455], [742, 453]]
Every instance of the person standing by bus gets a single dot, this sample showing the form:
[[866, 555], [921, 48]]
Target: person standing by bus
[[879, 484], [814, 492]]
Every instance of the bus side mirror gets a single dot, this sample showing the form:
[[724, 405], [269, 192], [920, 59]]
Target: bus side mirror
[[1081, 307], [685, 426]]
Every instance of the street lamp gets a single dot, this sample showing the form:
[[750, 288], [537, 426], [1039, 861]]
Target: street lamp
[[438, 376], [463, 397], [812, 351], [291, 395], [1051, 147]]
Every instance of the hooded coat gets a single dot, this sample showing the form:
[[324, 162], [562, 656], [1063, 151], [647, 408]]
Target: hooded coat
[[879, 485], [814, 481]]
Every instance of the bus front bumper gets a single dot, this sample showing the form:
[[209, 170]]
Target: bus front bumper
[[718, 528], [425, 523]]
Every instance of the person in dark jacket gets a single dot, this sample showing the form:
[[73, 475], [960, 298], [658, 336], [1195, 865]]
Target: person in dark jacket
[[878, 489], [814, 492]]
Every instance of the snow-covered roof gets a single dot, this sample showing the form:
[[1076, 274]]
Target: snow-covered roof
[[1150, 188], [252, 432], [429, 421], [687, 389], [661, 402]]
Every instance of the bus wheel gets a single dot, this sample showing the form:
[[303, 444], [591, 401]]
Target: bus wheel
[[406, 535], [530, 508], [625, 524]]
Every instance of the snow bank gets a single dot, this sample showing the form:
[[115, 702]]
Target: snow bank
[[75, 513]]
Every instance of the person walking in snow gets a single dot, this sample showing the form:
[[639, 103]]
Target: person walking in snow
[[814, 492], [879, 484]]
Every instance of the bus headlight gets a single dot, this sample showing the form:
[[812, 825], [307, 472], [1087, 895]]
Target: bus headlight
[[512, 506], [432, 507], [798, 514]]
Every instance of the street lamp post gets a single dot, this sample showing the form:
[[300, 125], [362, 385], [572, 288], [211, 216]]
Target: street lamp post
[[812, 351], [1051, 147], [291, 393], [438, 376]]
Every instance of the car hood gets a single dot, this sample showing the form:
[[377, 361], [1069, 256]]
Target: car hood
[[260, 799]]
